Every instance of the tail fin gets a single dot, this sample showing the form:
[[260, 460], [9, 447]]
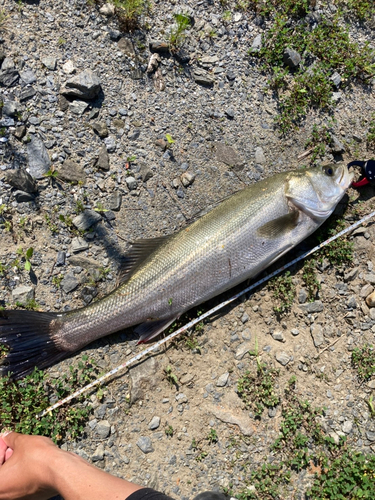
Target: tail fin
[[28, 336]]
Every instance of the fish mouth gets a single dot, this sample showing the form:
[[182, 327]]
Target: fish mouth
[[346, 178]]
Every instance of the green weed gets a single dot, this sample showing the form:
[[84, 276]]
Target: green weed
[[212, 436], [370, 138], [177, 33], [340, 251], [129, 13], [318, 142], [26, 256], [283, 291], [21, 401], [170, 376], [169, 431], [363, 360], [310, 280]]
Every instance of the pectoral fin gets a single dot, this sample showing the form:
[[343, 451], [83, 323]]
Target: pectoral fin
[[276, 228], [151, 329]]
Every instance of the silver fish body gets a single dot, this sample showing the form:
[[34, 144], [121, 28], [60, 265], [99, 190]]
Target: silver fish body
[[165, 277]]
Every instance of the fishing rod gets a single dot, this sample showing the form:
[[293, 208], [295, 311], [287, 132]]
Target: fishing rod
[[193, 322]]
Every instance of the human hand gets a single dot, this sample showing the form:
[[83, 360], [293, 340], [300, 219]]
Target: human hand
[[25, 463]]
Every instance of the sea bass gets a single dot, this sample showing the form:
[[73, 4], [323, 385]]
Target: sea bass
[[164, 277]]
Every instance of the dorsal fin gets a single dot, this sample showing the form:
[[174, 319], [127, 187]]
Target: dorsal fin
[[138, 253]]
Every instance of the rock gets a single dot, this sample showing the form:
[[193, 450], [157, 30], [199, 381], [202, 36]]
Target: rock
[[71, 172], [23, 294], [245, 318], [294, 332], [68, 67], [79, 244], [49, 62], [370, 299], [131, 183], [154, 424], [114, 201], [22, 180], [60, 259], [259, 156], [85, 85], [161, 143], [366, 290], [19, 132], [278, 335], [78, 107], [98, 453], [222, 380], [317, 334], [336, 145], [39, 161], [184, 10], [86, 219], [291, 58], [336, 79], [228, 155], [88, 293], [158, 46], [22, 196], [144, 377], [102, 161], [187, 179], [27, 93], [126, 46], [203, 77], [101, 129], [108, 9], [8, 77], [103, 429], [257, 43], [347, 426], [28, 76], [10, 108], [242, 349], [282, 357], [69, 283], [144, 443], [312, 307]]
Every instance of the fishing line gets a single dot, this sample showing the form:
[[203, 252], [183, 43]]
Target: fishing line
[[193, 322]]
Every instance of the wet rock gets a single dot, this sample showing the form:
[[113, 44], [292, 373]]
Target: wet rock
[[23, 294], [144, 443], [282, 357], [39, 161], [85, 85], [291, 58], [22, 180], [86, 219], [71, 172]]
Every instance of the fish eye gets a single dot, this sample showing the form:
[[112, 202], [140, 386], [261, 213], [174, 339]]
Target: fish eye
[[328, 171]]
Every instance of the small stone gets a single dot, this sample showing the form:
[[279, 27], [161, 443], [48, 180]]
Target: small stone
[[10, 109], [347, 426], [60, 259], [291, 58], [101, 129], [78, 107], [154, 424], [278, 335], [86, 85], [69, 283], [68, 67], [144, 443], [351, 303], [222, 380], [312, 307], [294, 332], [131, 183], [23, 197], [102, 161], [245, 318], [257, 43], [79, 244], [28, 76], [242, 349], [110, 144], [302, 296], [187, 179], [370, 299], [370, 435], [282, 357], [39, 161], [336, 145], [203, 77], [23, 294], [259, 156], [108, 9], [21, 179], [161, 143], [317, 334], [87, 219], [103, 429], [71, 172], [49, 62], [98, 453], [336, 79], [114, 201]]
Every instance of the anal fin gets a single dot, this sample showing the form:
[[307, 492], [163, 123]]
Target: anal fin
[[150, 329]]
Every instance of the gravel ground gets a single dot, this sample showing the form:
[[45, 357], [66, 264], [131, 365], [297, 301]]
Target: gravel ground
[[77, 99]]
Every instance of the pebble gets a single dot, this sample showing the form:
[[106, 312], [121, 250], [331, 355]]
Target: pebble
[[144, 443], [242, 349], [23, 294], [79, 244], [103, 429], [282, 357], [154, 424], [317, 334], [222, 380], [370, 299], [86, 219]]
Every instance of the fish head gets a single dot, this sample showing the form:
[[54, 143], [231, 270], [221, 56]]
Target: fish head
[[317, 190]]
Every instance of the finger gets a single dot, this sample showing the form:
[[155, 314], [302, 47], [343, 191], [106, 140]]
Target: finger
[[3, 449], [10, 438], [8, 454]]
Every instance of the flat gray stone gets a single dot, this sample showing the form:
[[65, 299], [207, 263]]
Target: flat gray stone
[[312, 307], [71, 171], [79, 244], [203, 77], [144, 443], [23, 294], [28, 76], [228, 155], [102, 161], [259, 156], [222, 380], [98, 453], [39, 160], [69, 283], [317, 334], [22, 180], [144, 378], [154, 424], [291, 58], [85, 85], [131, 183], [242, 349], [86, 219], [282, 357], [49, 62], [78, 107], [101, 129]]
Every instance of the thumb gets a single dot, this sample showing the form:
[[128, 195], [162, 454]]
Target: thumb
[[10, 438]]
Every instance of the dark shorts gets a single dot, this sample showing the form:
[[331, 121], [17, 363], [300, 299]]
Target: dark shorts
[[148, 494]]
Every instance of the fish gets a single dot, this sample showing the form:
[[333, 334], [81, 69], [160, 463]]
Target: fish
[[161, 278]]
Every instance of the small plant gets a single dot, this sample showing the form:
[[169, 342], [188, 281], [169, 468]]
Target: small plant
[[51, 225], [26, 256], [320, 138], [192, 344], [56, 280], [257, 390], [177, 33], [170, 140], [363, 359], [309, 278], [100, 208], [30, 305], [52, 173], [170, 376], [202, 455], [169, 431], [283, 291], [370, 138], [170, 301], [371, 406], [129, 13], [212, 436], [61, 41], [80, 207], [340, 251]]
